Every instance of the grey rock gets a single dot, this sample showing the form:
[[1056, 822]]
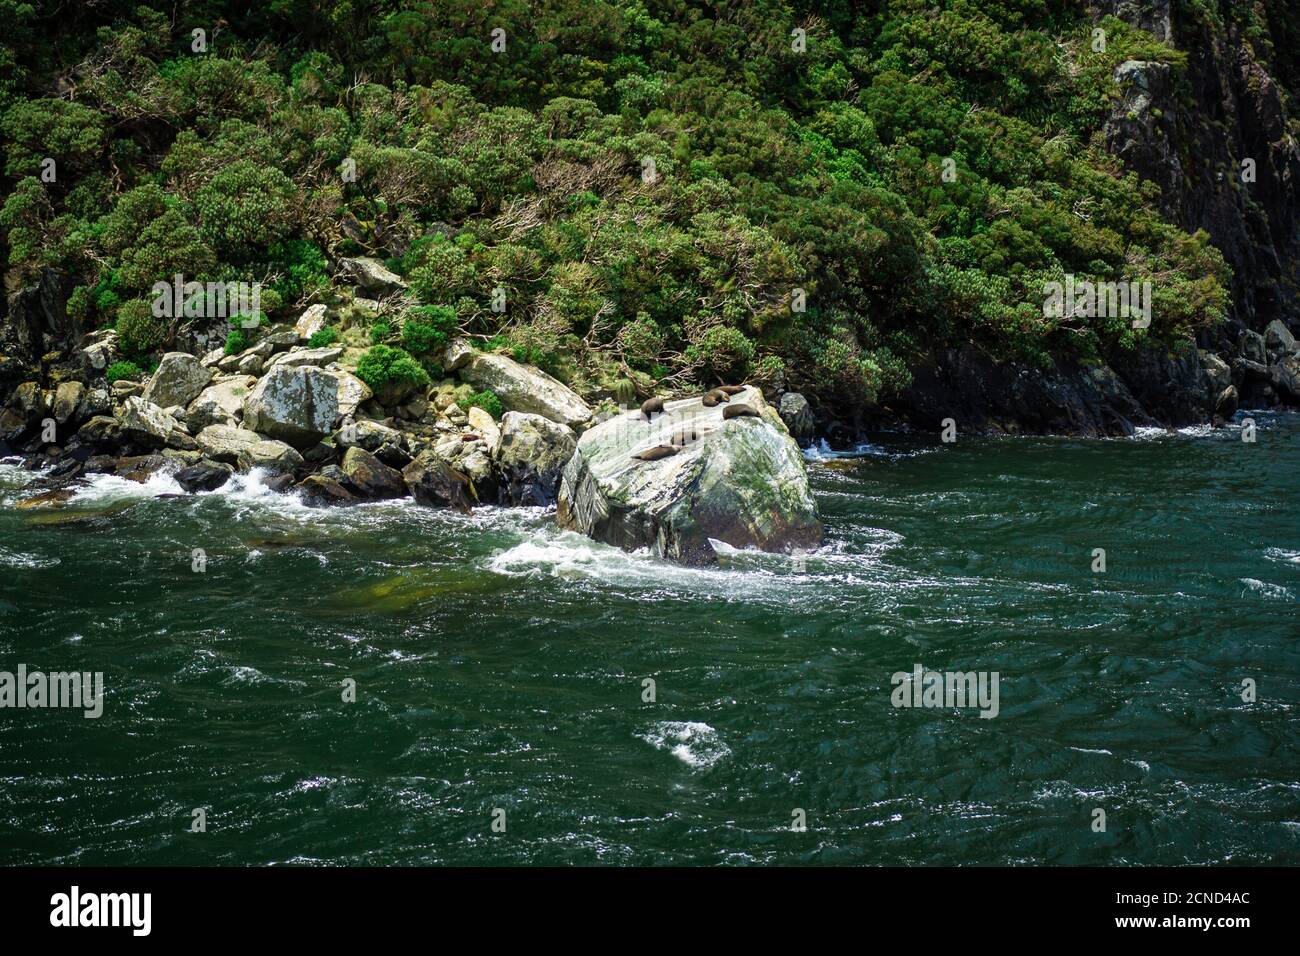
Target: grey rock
[[178, 380], [742, 482], [530, 458], [295, 405], [798, 417]]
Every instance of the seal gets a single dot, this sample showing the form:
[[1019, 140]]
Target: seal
[[731, 389], [715, 397], [738, 411], [650, 406], [655, 453]]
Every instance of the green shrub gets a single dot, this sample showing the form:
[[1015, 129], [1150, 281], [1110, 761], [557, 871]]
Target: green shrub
[[124, 371], [236, 342], [390, 370], [428, 328], [379, 331], [139, 331], [323, 338], [486, 400]]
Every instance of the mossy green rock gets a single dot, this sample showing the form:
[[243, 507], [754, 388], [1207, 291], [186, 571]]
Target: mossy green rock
[[740, 481]]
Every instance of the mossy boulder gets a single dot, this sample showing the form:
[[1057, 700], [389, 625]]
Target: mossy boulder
[[741, 481]]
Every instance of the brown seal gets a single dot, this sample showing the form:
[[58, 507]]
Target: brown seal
[[655, 453], [731, 389], [715, 397], [650, 406], [738, 411]]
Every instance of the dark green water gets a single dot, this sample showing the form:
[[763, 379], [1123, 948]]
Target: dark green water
[[499, 664]]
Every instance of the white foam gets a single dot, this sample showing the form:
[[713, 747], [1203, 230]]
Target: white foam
[[694, 743], [1266, 589]]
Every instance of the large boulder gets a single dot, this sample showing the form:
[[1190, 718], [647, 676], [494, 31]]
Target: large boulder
[[294, 405], [521, 388], [435, 483], [371, 275], [530, 458], [179, 379], [741, 481], [369, 477], [219, 404]]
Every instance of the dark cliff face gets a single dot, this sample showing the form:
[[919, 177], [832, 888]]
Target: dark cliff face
[[1218, 138], [1219, 142]]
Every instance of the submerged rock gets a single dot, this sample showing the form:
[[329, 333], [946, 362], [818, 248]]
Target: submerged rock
[[203, 476], [741, 481]]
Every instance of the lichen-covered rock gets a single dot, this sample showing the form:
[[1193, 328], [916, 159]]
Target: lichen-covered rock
[[798, 417], [295, 405], [225, 442], [147, 423], [740, 481], [368, 435], [523, 388], [219, 404], [530, 458], [179, 379]]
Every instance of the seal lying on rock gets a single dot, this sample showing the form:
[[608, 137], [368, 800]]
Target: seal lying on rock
[[650, 406], [715, 397], [731, 389], [738, 411], [655, 453]]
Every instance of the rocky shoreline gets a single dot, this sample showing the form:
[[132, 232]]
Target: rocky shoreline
[[301, 416]]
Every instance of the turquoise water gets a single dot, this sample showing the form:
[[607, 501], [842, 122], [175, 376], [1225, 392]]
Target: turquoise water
[[500, 664]]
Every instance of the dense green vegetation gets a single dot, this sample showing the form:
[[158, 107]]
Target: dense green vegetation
[[660, 191]]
